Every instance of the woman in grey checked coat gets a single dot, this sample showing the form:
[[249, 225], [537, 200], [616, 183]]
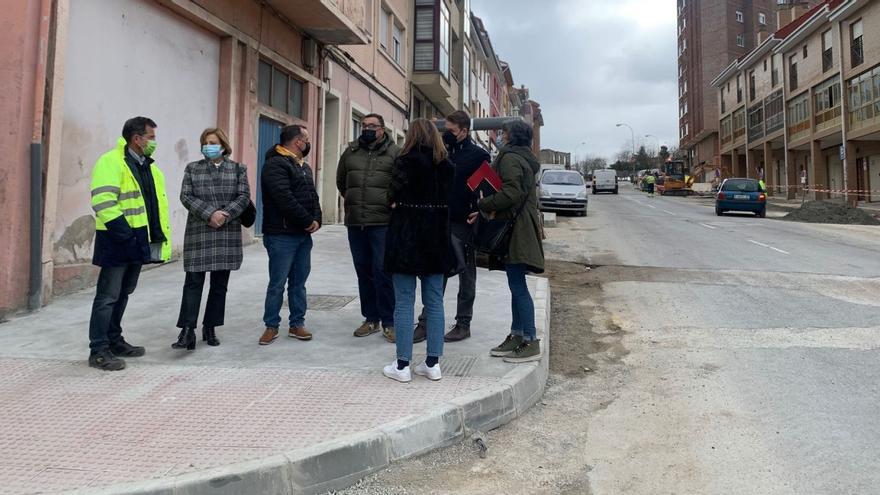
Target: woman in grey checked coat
[[215, 191]]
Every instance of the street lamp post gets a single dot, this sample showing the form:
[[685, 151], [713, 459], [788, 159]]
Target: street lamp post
[[633, 136], [576, 150], [658, 145], [657, 139]]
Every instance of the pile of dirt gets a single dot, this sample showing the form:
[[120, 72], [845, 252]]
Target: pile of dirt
[[830, 212]]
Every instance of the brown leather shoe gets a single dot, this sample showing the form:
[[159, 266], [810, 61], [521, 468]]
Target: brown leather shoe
[[457, 333], [269, 336], [420, 333], [299, 333], [388, 333], [366, 328]]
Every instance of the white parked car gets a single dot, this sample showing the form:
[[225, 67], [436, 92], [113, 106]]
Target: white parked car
[[562, 190]]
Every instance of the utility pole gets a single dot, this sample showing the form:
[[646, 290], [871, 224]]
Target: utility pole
[[633, 137]]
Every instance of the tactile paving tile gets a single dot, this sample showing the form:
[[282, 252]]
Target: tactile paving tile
[[319, 302], [64, 426], [452, 365]]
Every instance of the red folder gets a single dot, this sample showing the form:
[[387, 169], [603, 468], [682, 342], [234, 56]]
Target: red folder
[[484, 175]]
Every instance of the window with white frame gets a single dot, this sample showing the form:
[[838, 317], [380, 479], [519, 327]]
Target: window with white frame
[[467, 17], [423, 48], [466, 76], [740, 41], [739, 17], [397, 44], [857, 44], [383, 28], [356, 127], [762, 19], [827, 51], [444, 40]]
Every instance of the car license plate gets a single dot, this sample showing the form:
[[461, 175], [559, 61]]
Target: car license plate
[[564, 202], [741, 196]]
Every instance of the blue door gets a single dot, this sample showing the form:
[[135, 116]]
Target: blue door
[[270, 134]]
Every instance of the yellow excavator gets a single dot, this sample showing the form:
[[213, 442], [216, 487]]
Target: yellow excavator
[[674, 177], [699, 170]]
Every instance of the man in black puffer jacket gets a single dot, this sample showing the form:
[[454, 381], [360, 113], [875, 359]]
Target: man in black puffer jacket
[[291, 214], [467, 157]]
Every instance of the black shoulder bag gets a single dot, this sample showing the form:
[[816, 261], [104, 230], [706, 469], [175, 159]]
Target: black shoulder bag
[[492, 236], [249, 216]]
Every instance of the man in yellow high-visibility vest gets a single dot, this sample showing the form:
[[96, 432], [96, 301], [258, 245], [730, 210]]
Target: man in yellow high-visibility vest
[[132, 228]]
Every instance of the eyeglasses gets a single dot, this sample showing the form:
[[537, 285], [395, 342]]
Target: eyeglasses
[[372, 127]]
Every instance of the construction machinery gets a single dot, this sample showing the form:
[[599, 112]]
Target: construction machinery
[[672, 178], [719, 174]]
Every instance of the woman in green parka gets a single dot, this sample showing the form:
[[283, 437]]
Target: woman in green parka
[[518, 167]]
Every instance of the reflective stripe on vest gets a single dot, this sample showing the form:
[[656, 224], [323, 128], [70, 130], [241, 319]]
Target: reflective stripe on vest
[[116, 193]]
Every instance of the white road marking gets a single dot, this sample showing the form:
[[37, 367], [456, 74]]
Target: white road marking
[[671, 213], [707, 226], [651, 206], [768, 247]]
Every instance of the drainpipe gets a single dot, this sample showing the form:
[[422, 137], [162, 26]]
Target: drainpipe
[[35, 258], [785, 157], [843, 114], [319, 127]]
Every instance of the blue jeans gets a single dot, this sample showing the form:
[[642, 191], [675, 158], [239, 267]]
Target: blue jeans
[[290, 262], [374, 285], [404, 311], [521, 304]]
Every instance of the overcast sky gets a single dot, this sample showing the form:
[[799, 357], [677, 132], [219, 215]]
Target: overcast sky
[[592, 64]]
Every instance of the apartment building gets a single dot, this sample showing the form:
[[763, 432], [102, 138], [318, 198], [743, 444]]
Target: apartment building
[[362, 79], [550, 156], [811, 121], [752, 115], [711, 35], [246, 66]]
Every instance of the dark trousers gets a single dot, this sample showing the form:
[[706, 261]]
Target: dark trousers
[[115, 284], [215, 310], [462, 235], [374, 285]]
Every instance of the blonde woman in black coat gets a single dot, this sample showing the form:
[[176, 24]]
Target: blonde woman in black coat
[[417, 246]]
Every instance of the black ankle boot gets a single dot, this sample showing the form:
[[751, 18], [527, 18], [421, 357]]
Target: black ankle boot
[[186, 339], [209, 336]]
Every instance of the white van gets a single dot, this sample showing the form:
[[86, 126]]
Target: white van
[[604, 180]]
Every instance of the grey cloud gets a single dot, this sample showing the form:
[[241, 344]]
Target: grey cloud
[[590, 76]]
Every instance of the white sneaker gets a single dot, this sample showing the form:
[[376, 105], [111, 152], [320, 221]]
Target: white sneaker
[[392, 372], [429, 373]]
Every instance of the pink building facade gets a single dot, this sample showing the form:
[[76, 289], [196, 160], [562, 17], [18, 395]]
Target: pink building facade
[[73, 72]]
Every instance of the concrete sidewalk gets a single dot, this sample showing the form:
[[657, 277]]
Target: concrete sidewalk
[[794, 204], [292, 417]]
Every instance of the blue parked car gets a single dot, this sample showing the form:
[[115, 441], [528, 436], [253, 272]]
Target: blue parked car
[[741, 195]]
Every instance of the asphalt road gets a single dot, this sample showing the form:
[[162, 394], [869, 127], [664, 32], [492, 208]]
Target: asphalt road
[[753, 361], [698, 355]]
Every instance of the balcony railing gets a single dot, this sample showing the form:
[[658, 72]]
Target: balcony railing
[[865, 116], [775, 122], [756, 132], [828, 119], [799, 130]]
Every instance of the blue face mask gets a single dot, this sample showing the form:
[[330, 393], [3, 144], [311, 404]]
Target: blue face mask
[[212, 151]]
